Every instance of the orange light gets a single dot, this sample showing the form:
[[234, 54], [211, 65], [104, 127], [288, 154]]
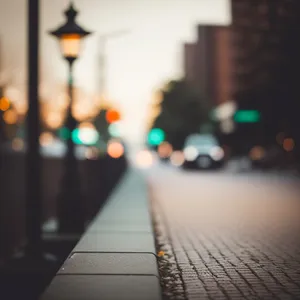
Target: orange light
[[70, 44], [165, 150], [112, 116], [10, 117], [288, 144], [4, 104], [115, 149], [54, 120]]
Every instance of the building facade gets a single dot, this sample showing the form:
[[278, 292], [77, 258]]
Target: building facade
[[207, 63], [265, 42]]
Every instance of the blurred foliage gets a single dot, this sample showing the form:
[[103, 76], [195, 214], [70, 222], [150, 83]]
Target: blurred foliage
[[102, 125], [183, 111]]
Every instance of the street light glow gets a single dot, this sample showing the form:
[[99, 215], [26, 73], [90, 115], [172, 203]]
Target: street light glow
[[4, 104], [70, 45], [10, 117]]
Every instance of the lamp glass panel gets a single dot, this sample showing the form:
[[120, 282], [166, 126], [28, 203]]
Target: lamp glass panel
[[70, 45]]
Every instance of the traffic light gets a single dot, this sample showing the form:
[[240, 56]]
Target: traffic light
[[85, 136], [76, 136], [114, 129], [247, 116], [64, 133], [112, 116], [80, 136], [156, 136], [4, 104]]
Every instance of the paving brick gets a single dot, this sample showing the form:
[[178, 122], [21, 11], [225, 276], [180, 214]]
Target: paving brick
[[227, 239], [110, 263], [104, 287], [116, 242]]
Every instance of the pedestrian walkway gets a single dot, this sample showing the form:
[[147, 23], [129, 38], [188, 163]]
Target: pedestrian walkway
[[116, 257], [226, 237]]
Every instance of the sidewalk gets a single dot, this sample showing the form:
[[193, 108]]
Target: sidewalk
[[226, 237], [116, 257]]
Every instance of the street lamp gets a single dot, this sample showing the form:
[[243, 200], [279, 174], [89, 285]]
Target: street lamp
[[70, 212]]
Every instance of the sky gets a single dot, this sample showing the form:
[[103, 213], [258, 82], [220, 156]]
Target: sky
[[139, 61]]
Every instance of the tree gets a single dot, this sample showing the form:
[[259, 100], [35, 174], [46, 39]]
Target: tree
[[183, 112]]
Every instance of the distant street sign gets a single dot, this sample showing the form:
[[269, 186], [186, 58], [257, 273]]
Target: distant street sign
[[247, 116]]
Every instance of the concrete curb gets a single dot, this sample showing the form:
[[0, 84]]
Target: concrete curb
[[115, 259]]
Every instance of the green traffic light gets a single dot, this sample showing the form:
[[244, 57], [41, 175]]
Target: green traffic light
[[64, 133], [75, 136], [247, 116], [79, 136], [156, 136]]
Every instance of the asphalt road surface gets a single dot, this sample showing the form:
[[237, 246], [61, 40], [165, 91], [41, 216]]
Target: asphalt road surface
[[225, 235]]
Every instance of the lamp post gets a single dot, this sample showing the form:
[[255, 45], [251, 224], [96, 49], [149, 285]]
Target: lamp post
[[70, 212]]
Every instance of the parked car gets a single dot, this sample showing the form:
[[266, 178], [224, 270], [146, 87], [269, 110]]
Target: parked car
[[203, 151]]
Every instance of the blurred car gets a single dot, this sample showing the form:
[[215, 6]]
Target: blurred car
[[203, 151]]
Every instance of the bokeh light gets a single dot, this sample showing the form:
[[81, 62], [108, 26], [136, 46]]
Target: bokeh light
[[115, 149], [4, 104], [17, 144], [177, 158], [64, 133], [21, 107], [288, 144], [227, 126], [87, 136], [156, 136], [10, 117], [257, 153], [62, 101], [75, 136], [79, 112], [165, 150], [190, 153], [144, 159], [225, 110], [114, 129], [86, 125], [92, 153], [54, 120], [84, 108], [14, 94], [46, 139], [112, 116]]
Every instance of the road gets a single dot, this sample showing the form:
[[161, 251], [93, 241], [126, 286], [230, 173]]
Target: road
[[225, 235]]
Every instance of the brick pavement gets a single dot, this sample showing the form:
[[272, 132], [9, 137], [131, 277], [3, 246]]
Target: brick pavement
[[226, 237]]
